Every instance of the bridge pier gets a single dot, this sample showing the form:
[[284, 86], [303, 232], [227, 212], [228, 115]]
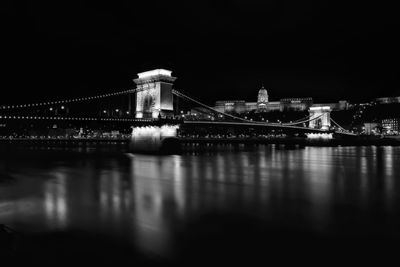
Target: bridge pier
[[155, 139]]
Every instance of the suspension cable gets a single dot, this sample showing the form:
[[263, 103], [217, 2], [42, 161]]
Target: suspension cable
[[179, 94], [65, 101], [308, 120], [338, 125], [301, 119], [22, 117]]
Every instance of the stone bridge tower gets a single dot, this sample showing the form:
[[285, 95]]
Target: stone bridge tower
[[323, 117], [154, 93]]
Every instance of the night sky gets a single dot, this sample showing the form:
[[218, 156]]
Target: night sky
[[329, 50]]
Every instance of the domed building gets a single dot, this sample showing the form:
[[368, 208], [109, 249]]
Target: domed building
[[264, 105], [262, 99], [262, 95]]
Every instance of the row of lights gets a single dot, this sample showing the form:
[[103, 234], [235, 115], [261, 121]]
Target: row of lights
[[117, 110], [67, 101], [71, 118], [51, 108]]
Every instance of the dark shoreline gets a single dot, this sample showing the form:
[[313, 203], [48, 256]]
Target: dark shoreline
[[192, 143]]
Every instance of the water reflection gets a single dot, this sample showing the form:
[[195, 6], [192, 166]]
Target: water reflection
[[55, 201], [145, 198]]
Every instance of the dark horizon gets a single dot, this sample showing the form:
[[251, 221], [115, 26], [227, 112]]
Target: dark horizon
[[329, 51]]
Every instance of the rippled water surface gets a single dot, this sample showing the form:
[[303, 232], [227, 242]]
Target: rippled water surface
[[152, 202]]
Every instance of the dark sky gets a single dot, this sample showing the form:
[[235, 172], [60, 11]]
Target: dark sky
[[329, 50]]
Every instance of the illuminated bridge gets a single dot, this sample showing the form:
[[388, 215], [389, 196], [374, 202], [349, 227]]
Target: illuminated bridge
[[154, 115]]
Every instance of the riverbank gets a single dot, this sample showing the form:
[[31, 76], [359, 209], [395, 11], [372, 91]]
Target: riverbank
[[291, 141], [190, 144]]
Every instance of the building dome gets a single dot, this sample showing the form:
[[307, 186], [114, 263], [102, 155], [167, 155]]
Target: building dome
[[262, 95]]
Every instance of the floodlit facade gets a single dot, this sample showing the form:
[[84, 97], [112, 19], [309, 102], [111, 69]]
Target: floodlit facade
[[262, 99], [388, 100], [264, 105], [296, 104], [154, 93], [320, 118], [238, 106], [391, 125], [371, 128]]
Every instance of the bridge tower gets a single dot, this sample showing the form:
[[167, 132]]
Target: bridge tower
[[324, 117], [154, 93]]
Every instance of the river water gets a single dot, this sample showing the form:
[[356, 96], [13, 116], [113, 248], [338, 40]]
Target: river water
[[195, 204]]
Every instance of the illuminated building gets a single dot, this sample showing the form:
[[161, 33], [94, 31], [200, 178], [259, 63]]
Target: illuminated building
[[154, 93], [264, 105], [251, 106], [296, 104], [262, 99], [371, 128], [341, 105], [391, 125], [238, 106], [388, 100]]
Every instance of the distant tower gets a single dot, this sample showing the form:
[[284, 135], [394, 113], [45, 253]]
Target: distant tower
[[154, 93], [262, 99]]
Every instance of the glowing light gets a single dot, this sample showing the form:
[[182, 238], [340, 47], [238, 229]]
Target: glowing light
[[327, 108], [319, 136], [154, 73], [163, 131], [139, 114]]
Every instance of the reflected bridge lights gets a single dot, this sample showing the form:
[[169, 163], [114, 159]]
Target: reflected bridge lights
[[155, 139]]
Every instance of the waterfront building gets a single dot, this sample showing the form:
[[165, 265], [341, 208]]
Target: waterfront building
[[391, 125], [388, 100], [296, 104], [371, 128], [250, 106], [262, 99], [341, 105], [264, 104], [238, 106]]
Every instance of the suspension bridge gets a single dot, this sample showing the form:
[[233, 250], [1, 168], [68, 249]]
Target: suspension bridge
[[154, 115]]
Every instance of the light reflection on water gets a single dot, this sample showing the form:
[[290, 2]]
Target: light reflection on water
[[143, 198]]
